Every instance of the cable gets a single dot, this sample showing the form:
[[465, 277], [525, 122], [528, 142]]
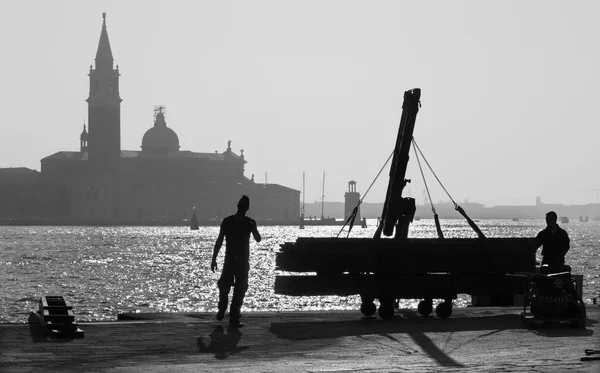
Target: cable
[[355, 211]]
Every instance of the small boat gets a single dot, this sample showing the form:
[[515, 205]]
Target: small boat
[[515, 219], [325, 220], [302, 209], [194, 222]]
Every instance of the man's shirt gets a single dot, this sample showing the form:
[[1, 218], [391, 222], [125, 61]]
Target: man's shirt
[[555, 241], [237, 236]]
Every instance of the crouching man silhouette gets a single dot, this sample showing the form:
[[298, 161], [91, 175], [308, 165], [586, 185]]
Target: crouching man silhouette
[[235, 230], [555, 241]]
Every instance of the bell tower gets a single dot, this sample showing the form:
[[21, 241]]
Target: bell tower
[[104, 107], [351, 200]]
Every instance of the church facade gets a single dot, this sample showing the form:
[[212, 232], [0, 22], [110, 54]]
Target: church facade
[[159, 183]]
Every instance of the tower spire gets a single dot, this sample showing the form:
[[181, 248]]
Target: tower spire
[[104, 57], [104, 107], [83, 138]]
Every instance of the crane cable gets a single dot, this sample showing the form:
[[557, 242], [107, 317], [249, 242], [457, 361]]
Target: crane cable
[[456, 206], [352, 216], [435, 215], [431, 169]]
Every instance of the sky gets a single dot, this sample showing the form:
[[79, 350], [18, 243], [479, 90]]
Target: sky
[[509, 89]]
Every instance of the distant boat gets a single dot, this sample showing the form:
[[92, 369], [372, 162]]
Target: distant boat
[[328, 221], [515, 219], [302, 209], [564, 219], [325, 220], [194, 222], [323, 198]]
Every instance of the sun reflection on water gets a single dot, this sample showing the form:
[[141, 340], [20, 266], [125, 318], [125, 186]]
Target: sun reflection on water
[[104, 271]]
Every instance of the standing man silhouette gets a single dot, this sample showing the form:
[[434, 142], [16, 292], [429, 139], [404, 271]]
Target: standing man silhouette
[[236, 230]]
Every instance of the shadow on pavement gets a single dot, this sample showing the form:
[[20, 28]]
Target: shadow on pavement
[[414, 327], [220, 343], [408, 323], [558, 330], [38, 335]]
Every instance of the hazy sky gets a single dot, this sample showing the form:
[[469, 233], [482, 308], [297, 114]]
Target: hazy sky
[[509, 88]]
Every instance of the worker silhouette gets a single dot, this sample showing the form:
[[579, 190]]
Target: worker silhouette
[[235, 230], [555, 241]]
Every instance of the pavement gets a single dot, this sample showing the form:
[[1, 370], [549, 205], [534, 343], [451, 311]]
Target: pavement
[[473, 339]]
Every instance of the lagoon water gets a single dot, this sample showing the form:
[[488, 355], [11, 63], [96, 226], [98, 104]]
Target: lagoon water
[[104, 271]]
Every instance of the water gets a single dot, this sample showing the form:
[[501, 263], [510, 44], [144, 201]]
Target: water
[[104, 271]]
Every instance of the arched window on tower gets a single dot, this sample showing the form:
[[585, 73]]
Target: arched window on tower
[[110, 86]]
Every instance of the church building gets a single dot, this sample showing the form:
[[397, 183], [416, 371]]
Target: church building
[[159, 183]]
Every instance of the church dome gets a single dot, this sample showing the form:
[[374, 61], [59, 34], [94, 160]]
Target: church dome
[[160, 139]]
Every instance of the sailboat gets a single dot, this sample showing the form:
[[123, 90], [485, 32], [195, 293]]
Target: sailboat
[[302, 208], [325, 220], [194, 222]]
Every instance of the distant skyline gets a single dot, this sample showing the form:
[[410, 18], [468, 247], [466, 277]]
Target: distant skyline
[[509, 89]]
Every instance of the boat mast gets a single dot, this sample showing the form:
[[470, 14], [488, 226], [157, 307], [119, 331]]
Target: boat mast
[[302, 208], [303, 193], [323, 198]]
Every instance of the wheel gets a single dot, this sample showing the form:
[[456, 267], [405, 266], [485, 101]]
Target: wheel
[[444, 310], [368, 308], [386, 309], [425, 307], [579, 324]]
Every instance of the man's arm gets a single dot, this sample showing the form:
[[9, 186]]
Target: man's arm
[[218, 244], [566, 243], [255, 233], [539, 241]]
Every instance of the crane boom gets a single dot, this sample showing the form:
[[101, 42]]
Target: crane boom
[[398, 211]]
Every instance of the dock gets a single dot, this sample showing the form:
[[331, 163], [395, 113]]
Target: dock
[[474, 339]]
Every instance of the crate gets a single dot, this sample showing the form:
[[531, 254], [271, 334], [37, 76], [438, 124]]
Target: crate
[[56, 317]]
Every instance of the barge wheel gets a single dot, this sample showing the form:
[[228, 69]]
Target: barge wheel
[[386, 309], [579, 324], [368, 309], [425, 307], [444, 309]]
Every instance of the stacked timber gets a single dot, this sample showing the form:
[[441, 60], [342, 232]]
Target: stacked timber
[[409, 268], [417, 255]]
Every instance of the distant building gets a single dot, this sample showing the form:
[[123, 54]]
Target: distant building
[[160, 182], [351, 200], [20, 193]]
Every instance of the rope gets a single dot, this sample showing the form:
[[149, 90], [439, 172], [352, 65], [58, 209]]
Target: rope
[[456, 206], [435, 215], [355, 210], [424, 180], [431, 169]]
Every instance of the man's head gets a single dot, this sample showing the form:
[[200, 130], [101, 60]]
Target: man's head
[[551, 218], [243, 204]]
